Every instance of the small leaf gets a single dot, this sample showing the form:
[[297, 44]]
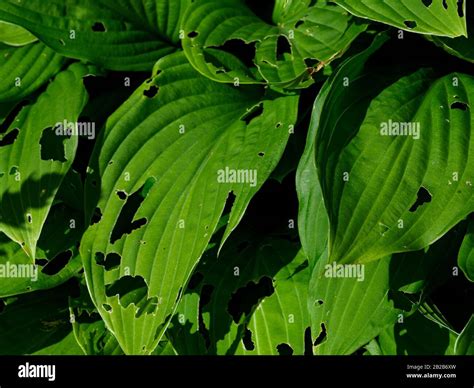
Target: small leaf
[[443, 18], [465, 342], [466, 254]]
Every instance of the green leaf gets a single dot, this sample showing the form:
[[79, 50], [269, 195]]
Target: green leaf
[[445, 18], [118, 35], [37, 323], [164, 177], [25, 69], [318, 33], [313, 220], [34, 159], [15, 35], [465, 342], [466, 254], [258, 301], [183, 332], [89, 328], [417, 336], [406, 177]]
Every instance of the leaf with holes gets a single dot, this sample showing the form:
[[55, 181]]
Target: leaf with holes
[[163, 171], [218, 32], [33, 159], [402, 177], [434, 17], [118, 35], [257, 301]]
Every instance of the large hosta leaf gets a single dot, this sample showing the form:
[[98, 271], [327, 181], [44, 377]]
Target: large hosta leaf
[[168, 161], [312, 217], [299, 33], [25, 69], [391, 190], [435, 17], [119, 35], [33, 159]]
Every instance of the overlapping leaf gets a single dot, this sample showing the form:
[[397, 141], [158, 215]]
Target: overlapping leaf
[[15, 35], [119, 35], [466, 254], [37, 323], [282, 50], [24, 69], [465, 343], [33, 159], [414, 147], [417, 335], [168, 161], [435, 17]]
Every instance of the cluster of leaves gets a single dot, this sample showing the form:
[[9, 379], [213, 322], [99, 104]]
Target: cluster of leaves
[[149, 236]]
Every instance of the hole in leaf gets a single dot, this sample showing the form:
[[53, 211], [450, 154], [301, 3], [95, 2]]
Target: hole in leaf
[[109, 262], [261, 154], [57, 263], [410, 24], [107, 307], [52, 146], [283, 47], [193, 34], [322, 335], [133, 290], [9, 138], [253, 113], [96, 216], [318, 302], [122, 195], [285, 350], [299, 23], [229, 202], [98, 27], [246, 298], [41, 262], [424, 196], [460, 105], [461, 8], [245, 52], [247, 340], [427, 3], [445, 4], [14, 170], [125, 223], [151, 92]]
